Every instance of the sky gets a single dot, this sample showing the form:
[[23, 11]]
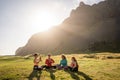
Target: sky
[[20, 19]]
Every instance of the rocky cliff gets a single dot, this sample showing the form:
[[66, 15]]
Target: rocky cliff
[[87, 29]]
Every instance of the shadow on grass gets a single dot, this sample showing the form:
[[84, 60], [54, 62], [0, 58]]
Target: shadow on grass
[[35, 74], [51, 73], [73, 75], [84, 75], [76, 77]]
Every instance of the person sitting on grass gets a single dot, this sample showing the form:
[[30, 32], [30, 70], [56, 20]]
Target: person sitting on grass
[[63, 63], [74, 65], [36, 62], [49, 61]]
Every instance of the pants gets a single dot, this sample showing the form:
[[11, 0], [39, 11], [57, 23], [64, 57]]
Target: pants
[[36, 67], [48, 67], [62, 67], [73, 69]]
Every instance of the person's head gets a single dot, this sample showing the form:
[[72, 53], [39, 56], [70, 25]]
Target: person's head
[[35, 55], [49, 55], [63, 57], [73, 59]]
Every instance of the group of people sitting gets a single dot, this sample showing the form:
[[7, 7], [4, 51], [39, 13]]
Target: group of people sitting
[[49, 63]]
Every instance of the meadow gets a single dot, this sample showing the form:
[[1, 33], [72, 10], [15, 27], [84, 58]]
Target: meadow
[[98, 66]]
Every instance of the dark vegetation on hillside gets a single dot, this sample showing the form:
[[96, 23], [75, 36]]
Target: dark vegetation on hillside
[[93, 28]]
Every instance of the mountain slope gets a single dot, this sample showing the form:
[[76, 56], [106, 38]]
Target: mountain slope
[[89, 28]]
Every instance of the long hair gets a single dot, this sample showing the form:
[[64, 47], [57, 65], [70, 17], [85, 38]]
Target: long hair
[[63, 56], [75, 61]]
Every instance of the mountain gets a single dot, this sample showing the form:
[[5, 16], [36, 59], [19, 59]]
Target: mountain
[[89, 28]]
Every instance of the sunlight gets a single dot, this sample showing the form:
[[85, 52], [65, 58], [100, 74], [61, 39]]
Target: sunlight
[[43, 21]]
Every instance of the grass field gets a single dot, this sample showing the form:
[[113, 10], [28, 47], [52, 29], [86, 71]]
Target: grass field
[[104, 66]]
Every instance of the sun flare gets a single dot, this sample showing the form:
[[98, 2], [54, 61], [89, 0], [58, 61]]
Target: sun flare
[[43, 21]]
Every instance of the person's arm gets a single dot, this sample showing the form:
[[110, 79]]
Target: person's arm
[[46, 61], [40, 59], [36, 60], [66, 62], [75, 65], [52, 61], [60, 62]]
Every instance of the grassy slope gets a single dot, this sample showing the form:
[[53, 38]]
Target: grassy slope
[[18, 68]]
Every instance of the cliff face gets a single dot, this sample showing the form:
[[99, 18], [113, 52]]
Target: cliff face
[[89, 28]]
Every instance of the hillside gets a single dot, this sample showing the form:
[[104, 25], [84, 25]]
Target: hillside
[[19, 68], [93, 28]]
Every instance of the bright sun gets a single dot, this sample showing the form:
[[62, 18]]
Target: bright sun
[[42, 21]]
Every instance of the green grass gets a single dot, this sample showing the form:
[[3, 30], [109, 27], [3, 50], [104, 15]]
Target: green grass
[[19, 68]]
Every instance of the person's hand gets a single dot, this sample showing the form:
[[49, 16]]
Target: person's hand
[[40, 58]]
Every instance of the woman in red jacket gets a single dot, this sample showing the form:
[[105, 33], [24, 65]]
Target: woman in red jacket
[[49, 61]]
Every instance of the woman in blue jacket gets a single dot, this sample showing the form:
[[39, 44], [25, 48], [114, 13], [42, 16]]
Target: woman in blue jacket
[[63, 63]]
